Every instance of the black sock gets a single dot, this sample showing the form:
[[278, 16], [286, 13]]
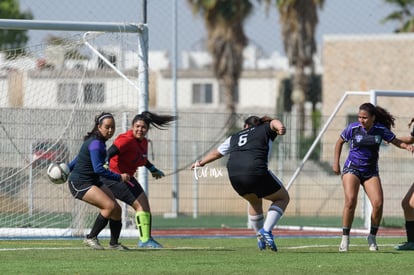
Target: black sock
[[98, 226], [374, 230], [346, 231], [115, 227], [409, 227]]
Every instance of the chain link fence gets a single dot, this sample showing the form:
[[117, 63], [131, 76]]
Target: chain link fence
[[316, 192]]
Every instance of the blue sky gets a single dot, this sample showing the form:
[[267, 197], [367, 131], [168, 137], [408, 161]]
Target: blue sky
[[337, 17]]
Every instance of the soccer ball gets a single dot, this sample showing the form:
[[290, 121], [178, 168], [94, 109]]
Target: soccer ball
[[58, 172]]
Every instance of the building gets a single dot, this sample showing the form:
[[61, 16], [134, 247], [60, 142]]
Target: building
[[55, 82]]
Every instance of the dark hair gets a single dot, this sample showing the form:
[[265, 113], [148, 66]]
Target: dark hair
[[98, 121], [158, 121], [381, 115], [256, 121]]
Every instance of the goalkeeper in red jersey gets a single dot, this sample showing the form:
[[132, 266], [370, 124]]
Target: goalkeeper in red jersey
[[127, 153]]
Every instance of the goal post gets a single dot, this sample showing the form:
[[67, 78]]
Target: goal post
[[20, 24], [49, 98]]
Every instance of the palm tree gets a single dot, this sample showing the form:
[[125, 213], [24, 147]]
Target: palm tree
[[12, 42], [298, 19], [404, 15], [226, 41]]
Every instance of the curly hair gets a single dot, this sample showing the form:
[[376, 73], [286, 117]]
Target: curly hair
[[381, 115]]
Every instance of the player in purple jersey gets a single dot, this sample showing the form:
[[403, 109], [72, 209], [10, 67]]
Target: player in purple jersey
[[85, 185], [247, 167], [361, 167], [408, 204]]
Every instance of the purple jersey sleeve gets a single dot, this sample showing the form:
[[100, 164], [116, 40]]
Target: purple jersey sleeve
[[98, 155], [347, 132]]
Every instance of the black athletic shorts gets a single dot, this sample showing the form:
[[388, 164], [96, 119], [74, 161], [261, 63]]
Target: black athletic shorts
[[127, 192], [261, 185], [79, 188], [362, 175]]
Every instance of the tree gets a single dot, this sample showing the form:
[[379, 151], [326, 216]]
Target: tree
[[13, 39], [298, 20], [226, 41], [404, 15]]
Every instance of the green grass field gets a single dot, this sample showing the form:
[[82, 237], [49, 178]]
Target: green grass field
[[205, 256]]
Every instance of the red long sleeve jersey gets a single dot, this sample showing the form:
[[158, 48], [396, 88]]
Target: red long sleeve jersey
[[132, 154]]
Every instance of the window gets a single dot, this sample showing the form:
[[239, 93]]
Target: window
[[351, 118], [94, 93], [235, 94], [202, 93], [67, 92]]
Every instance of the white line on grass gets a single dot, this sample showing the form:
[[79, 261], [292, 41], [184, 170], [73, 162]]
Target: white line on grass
[[41, 248], [131, 249], [329, 245]]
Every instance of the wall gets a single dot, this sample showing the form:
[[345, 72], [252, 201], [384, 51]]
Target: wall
[[363, 63]]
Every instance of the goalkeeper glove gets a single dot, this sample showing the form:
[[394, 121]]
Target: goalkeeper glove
[[156, 173]]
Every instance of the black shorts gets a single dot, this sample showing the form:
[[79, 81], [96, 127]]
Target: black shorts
[[362, 175], [79, 188], [127, 192], [261, 185]]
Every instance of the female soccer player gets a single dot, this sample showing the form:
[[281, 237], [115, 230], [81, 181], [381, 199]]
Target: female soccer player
[[127, 153], [408, 204], [84, 182], [361, 166], [249, 174]]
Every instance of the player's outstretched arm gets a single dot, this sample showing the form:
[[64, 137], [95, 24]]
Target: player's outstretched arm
[[211, 156], [407, 139], [398, 142], [155, 172]]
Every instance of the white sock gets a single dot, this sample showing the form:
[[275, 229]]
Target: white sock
[[273, 216], [256, 221]]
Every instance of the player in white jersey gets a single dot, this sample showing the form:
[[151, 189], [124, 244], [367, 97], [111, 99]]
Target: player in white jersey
[[249, 175]]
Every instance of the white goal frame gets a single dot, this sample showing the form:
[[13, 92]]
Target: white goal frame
[[141, 87]]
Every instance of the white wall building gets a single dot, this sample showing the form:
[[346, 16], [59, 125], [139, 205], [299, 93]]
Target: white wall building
[[200, 90], [22, 84]]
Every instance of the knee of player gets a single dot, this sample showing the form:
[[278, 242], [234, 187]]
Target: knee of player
[[114, 207]]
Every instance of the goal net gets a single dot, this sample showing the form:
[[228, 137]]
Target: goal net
[[48, 99]]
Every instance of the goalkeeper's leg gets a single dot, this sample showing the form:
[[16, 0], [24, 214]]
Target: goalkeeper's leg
[[143, 217], [143, 220]]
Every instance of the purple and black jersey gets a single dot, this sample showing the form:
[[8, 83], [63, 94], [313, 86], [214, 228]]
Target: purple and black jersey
[[88, 164], [364, 146]]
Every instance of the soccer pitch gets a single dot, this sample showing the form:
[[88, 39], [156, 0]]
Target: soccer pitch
[[301, 255]]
